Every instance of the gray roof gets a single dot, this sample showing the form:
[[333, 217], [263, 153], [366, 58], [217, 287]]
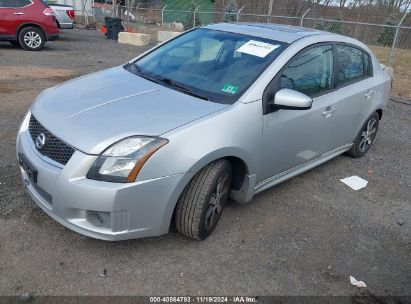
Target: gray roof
[[280, 32]]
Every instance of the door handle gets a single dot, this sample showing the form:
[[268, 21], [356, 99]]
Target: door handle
[[19, 13], [328, 112], [369, 94]]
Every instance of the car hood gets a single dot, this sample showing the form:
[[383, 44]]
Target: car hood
[[94, 111]]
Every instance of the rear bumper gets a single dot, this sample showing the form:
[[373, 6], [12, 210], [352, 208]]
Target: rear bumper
[[67, 26], [52, 37]]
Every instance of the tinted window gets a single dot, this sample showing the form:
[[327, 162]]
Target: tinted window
[[350, 64], [214, 64], [310, 72], [367, 64], [7, 3], [21, 3]]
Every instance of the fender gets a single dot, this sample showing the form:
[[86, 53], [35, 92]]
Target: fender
[[33, 24]]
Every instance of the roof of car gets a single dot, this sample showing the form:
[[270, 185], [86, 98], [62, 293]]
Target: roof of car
[[280, 32]]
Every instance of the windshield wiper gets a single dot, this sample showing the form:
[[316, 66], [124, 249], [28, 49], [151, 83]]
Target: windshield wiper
[[135, 69], [180, 88]]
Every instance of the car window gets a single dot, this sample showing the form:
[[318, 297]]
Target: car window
[[367, 64], [217, 65], [22, 3], [350, 64], [7, 3], [310, 72]]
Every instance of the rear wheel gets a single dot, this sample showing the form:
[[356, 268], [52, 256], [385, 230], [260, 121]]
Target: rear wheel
[[365, 137], [202, 202], [31, 39]]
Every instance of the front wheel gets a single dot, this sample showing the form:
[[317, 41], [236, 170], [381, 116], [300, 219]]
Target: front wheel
[[202, 201], [31, 39], [365, 137]]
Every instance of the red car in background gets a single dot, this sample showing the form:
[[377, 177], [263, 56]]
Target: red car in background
[[28, 23]]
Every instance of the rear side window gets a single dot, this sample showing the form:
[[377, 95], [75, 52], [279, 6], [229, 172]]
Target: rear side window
[[367, 64], [352, 64], [22, 3], [310, 72], [7, 3]]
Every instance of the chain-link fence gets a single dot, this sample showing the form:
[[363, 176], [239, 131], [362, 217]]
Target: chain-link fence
[[389, 40]]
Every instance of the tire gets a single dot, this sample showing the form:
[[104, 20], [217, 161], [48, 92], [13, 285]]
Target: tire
[[15, 43], [202, 201], [31, 39], [365, 137]]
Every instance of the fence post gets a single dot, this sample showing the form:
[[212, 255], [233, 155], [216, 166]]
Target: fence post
[[395, 39], [270, 11], [194, 17], [302, 17], [162, 16], [128, 14], [238, 13], [114, 8], [137, 16]]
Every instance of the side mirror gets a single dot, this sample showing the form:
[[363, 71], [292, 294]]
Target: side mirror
[[291, 100]]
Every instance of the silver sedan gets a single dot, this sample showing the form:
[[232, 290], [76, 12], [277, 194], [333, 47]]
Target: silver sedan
[[222, 111]]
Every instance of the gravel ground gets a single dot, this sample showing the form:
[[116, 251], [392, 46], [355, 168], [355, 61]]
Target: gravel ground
[[303, 237]]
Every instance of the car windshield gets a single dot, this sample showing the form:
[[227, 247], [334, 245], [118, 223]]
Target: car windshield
[[213, 65]]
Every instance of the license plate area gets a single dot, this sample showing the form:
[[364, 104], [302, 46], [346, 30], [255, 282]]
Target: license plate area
[[28, 168]]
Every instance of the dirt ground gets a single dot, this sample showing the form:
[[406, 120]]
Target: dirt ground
[[305, 236]]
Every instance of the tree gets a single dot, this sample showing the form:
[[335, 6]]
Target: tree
[[336, 27], [189, 22], [386, 36], [320, 25], [333, 27], [230, 11]]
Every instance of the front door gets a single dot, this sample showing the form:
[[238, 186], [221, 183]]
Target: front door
[[294, 137], [7, 18]]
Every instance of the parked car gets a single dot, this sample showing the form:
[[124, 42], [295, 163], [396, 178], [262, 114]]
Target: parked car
[[226, 110], [65, 14], [28, 23]]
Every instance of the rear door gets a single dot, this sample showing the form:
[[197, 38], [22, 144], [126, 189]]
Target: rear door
[[356, 89]]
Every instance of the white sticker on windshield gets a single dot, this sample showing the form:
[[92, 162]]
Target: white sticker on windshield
[[257, 48]]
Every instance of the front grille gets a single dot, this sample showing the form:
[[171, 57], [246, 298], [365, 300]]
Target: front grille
[[54, 148]]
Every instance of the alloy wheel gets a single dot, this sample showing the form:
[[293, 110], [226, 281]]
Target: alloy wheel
[[217, 201], [368, 135], [32, 39]]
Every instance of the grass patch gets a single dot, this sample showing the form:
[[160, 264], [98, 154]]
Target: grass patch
[[401, 63]]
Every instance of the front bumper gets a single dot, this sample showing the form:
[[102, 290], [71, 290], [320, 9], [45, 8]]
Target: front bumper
[[129, 211]]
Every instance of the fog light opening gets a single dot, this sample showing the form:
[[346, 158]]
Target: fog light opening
[[97, 218]]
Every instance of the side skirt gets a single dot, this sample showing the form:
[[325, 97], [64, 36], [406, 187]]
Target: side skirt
[[285, 175]]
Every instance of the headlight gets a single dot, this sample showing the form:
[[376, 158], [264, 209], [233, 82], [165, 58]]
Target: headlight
[[122, 161]]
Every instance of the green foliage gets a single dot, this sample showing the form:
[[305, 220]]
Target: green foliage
[[189, 22], [320, 25], [230, 11], [386, 36], [336, 27], [333, 27], [172, 13]]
